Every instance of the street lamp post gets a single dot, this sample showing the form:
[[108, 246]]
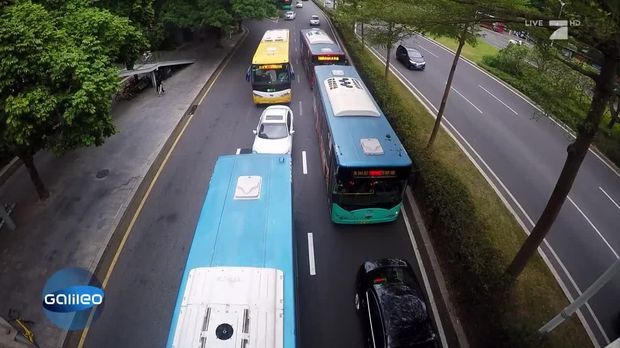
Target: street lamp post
[[579, 301]]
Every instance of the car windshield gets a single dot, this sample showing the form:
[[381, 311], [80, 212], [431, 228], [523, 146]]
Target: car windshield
[[315, 17], [290, 13], [414, 54], [273, 131]]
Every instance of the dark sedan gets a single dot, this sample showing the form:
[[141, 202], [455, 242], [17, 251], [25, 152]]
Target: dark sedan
[[392, 307], [410, 57]]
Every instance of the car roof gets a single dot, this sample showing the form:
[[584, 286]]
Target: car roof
[[314, 16], [404, 313]]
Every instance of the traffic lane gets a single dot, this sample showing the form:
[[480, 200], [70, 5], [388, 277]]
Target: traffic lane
[[597, 193], [142, 291], [326, 311], [327, 315], [510, 133]]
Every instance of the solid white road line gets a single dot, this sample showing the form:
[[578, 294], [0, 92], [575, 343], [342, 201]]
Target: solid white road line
[[427, 285], [300, 109], [570, 132], [499, 100], [303, 162], [298, 79], [295, 48], [608, 196], [429, 52], [594, 227], [428, 105], [467, 100], [238, 151], [311, 254]]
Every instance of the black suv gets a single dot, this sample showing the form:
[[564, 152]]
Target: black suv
[[391, 306], [411, 57]]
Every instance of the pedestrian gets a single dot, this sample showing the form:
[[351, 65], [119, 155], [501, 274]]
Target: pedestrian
[[159, 83]]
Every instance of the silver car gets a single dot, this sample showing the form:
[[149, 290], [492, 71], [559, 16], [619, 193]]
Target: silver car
[[314, 20], [290, 15]]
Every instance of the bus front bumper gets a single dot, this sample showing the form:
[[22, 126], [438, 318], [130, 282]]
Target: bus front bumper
[[272, 97], [364, 216]]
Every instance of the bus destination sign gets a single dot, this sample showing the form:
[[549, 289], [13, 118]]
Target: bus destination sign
[[270, 66], [328, 58], [373, 173]]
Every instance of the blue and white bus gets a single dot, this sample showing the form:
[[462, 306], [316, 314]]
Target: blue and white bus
[[238, 286], [365, 165]]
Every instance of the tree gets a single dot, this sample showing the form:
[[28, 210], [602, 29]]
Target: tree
[[459, 20], [56, 82], [252, 9], [600, 29], [385, 20], [102, 32], [614, 108]]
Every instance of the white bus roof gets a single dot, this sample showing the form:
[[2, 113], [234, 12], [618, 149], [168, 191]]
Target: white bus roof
[[348, 97], [232, 307]]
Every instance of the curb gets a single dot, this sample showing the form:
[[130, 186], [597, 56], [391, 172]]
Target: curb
[[431, 259], [9, 169], [72, 338]]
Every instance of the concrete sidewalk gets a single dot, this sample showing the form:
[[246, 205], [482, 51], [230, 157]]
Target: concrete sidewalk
[[90, 190]]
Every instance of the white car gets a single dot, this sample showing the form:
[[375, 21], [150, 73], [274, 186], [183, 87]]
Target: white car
[[314, 20], [290, 15], [299, 5], [274, 133]]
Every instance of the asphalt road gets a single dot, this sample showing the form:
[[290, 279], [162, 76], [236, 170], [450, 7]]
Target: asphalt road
[[141, 294], [523, 155]]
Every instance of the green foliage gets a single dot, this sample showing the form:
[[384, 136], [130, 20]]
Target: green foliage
[[55, 90], [195, 14], [512, 59], [140, 12], [104, 33]]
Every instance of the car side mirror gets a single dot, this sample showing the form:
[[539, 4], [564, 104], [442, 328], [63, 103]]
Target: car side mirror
[[292, 132], [292, 75], [254, 131], [247, 75]]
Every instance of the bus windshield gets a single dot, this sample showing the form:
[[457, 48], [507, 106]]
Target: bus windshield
[[270, 75], [369, 191]]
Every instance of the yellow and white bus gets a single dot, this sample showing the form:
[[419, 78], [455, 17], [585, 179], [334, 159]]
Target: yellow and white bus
[[271, 72]]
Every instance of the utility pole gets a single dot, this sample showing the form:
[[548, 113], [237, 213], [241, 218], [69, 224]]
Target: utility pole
[[585, 296]]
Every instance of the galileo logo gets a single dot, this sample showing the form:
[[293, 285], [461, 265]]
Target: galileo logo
[[70, 296]]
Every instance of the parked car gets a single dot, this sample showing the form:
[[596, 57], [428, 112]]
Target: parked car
[[515, 42], [290, 15], [314, 20], [410, 57], [274, 133], [391, 306], [299, 4]]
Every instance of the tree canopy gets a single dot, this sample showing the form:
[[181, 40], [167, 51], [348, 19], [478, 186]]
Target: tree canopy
[[57, 77]]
